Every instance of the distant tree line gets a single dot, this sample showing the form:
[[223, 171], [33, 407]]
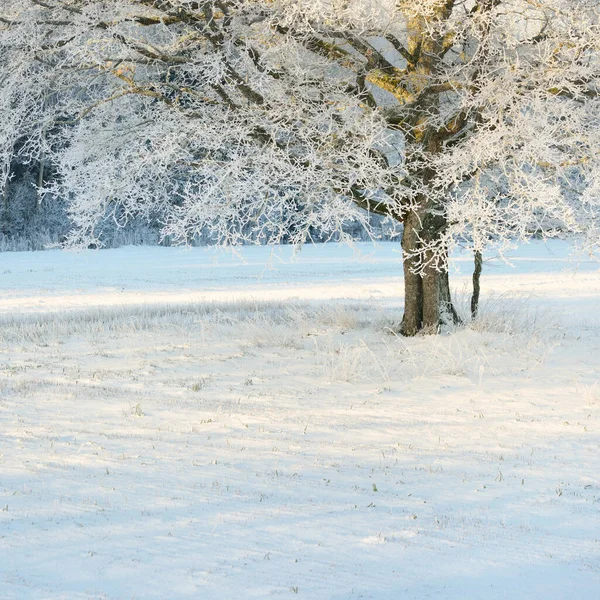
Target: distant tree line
[[30, 220]]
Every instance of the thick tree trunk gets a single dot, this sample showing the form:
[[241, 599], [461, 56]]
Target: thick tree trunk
[[427, 301], [413, 283], [449, 314], [431, 299], [427, 298]]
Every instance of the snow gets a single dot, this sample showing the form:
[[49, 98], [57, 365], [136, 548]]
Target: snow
[[34, 282], [196, 424]]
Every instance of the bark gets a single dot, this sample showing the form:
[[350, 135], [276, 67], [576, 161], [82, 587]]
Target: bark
[[449, 315], [428, 303], [413, 284], [427, 299], [476, 284], [431, 301]]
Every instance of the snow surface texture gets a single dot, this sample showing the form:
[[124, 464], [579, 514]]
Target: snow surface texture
[[173, 425]]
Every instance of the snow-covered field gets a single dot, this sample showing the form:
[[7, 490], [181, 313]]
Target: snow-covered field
[[189, 424]]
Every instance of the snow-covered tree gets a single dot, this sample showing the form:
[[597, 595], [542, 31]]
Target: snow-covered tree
[[474, 121], [498, 104]]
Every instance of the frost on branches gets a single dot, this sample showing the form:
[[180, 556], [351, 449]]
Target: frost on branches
[[473, 122]]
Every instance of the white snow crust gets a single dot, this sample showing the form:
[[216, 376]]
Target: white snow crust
[[201, 425]]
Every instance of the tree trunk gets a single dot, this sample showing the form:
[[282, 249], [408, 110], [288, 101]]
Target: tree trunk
[[476, 284], [427, 298], [413, 283]]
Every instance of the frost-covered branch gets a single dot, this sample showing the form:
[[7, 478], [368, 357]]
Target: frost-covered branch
[[478, 118]]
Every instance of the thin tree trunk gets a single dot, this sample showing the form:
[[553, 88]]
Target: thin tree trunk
[[476, 284], [40, 180]]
